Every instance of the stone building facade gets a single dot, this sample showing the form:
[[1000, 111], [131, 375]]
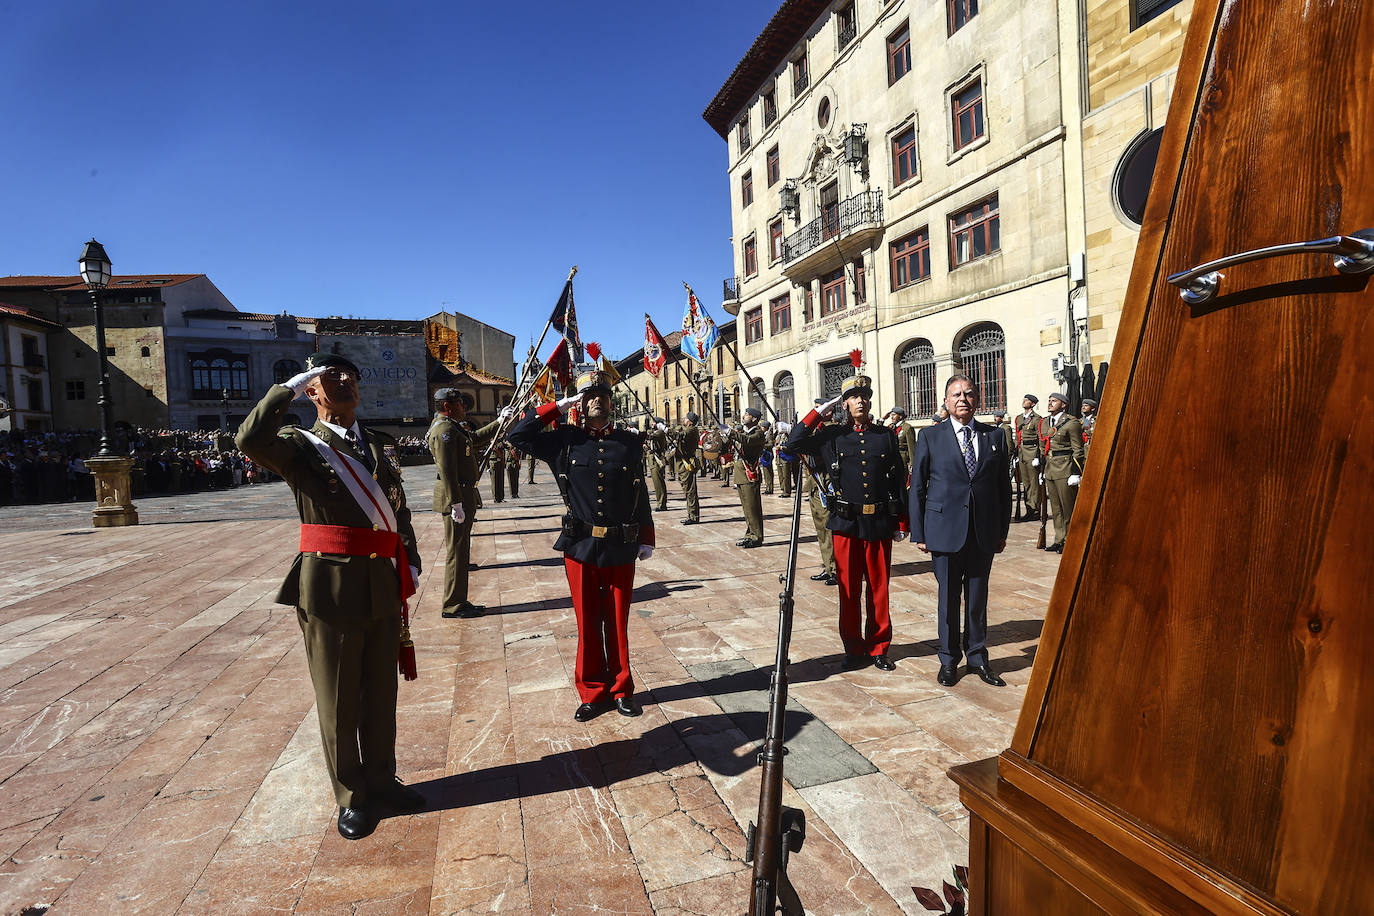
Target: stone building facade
[[897, 176], [681, 386], [25, 383], [392, 359]]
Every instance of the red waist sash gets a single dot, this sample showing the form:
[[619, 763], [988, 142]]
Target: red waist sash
[[360, 542]]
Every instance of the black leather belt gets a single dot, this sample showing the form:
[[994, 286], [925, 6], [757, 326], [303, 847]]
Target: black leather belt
[[623, 534], [1061, 452], [851, 511]]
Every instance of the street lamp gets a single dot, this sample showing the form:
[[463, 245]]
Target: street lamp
[[224, 401], [95, 271], [113, 506]]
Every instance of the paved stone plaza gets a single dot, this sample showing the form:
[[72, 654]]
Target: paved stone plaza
[[159, 750]]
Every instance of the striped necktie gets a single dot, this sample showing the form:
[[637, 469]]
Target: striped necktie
[[970, 460]]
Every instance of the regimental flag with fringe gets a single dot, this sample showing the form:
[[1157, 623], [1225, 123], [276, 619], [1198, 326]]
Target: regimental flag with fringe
[[564, 321], [655, 348], [602, 363], [543, 386], [560, 364], [699, 332]]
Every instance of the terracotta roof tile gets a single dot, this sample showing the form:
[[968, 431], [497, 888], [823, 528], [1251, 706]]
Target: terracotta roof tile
[[120, 281], [18, 311]]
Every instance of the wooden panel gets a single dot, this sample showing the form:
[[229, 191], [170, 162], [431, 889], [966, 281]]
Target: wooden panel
[[1018, 885], [1205, 667]]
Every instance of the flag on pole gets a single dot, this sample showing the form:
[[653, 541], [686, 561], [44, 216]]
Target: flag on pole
[[564, 321], [655, 348], [560, 364], [543, 386], [699, 332], [602, 363]]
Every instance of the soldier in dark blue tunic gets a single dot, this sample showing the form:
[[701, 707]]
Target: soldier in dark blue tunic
[[868, 512], [608, 526]]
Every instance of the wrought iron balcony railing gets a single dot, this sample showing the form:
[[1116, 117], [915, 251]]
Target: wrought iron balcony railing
[[731, 289], [857, 212], [847, 32]]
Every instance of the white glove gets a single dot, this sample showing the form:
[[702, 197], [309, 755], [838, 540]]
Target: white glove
[[645, 551], [1074, 480], [505, 412], [827, 409], [1035, 462], [571, 400], [297, 383], [457, 514], [661, 427], [415, 574], [899, 536]]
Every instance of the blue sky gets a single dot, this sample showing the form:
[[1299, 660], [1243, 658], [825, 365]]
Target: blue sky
[[380, 159]]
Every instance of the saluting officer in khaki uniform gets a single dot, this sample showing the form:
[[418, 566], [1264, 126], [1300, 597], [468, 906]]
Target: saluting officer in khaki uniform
[[684, 455], [357, 563], [1028, 454], [1062, 436], [750, 441], [456, 452]]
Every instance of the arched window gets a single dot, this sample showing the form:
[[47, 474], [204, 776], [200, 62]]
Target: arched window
[[787, 397], [677, 411], [756, 396], [283, 369], [667, 410], [734, 407], [916, 374], [215, 371], [691, 404], [983, 358]]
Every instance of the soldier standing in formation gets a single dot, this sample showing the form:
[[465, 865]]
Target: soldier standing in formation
[[455, 452], [1028, 455], [1089, 420], [784, 464], [906, 436], [869, 513], [513, 470], [656, 457], [497, 472], [750, 441], [766, 458], [608, 527], [819, 495], [1061, 442], [357, 565], [684, 455]]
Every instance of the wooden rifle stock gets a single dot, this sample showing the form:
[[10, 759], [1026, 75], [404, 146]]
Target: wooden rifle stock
[[780, 830], [1044, 508], [1016, 475]]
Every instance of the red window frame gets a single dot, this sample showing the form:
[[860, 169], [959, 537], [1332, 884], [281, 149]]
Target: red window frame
[[774, 168], [833, 293], [960, 12], [961, 105], [904, 156], [801, 76], [809, 305], [899, 53], [775, 241], [911, 258], [780, 313], [745, 141], [751, 257], [981, 225], [770, 107], [860, 282], [753, 325], [746, 188]]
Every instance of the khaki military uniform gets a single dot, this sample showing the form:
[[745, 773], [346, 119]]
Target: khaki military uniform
[[656, 457], [1027, 427], [497, 473], [348, 607], [766, 462], [513, 470], [820, 515], [749, 445], [1064, 459], [456, 453], [684, 456], [786, 469], [906, 443]]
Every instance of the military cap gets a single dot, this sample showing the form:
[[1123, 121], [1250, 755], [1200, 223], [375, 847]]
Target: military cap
[[1030, 397], [331, 361], [1059, 396], [860, 385], [820, 401], [765, 424], [754, 412], [1091, 402], [446, 394], [692, 417], [899, 412], [593, 381], [658, 419]]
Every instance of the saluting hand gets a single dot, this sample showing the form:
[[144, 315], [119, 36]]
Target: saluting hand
[[299, 382], [570, 401], [828, 408]]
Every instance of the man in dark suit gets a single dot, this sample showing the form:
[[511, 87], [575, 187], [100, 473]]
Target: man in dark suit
[[960, 513], [357, 564]]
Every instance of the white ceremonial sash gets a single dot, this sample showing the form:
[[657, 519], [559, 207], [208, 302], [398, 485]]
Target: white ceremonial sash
[[359, 480]]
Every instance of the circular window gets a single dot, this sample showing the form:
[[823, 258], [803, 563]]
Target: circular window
[[823, 114], [1131, 185]]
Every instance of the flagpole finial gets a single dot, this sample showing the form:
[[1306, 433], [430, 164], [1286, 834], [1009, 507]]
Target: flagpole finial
[[572, 273]]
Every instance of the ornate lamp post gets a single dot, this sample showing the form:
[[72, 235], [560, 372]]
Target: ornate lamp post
[[113, 506]]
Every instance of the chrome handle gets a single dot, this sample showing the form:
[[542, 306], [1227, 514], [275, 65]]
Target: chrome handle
[[1354, 254]]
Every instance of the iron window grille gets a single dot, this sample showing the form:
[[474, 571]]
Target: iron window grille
[[916, 367], [801, 76], [983, 357]]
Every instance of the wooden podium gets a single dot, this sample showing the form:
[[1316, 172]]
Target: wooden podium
[[1198, 733]]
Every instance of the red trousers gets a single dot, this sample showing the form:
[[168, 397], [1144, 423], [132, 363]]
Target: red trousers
[[601, 601], [855, 559]]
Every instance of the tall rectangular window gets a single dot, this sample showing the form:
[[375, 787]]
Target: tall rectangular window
[[774, 167], [960, 12], [770, 107], [860, 282], [830, 210], [746, 189], [832, 293], [967, 107], [904, 156], [974, 233], [801, 77], [911, 258], [899, 54], [780, 313], [751, 257], [808, 305], [744, 141], [753, 326], [775, 241], [846, 26]]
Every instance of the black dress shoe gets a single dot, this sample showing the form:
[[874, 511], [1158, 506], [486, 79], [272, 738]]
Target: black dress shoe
[[745, 542], [1055, 548], [355, 823], [467, 610], [984, 672], [627, 707], [948, 676], [820, 577], [588, 711], [883, 662], [399, 796], [855, 662], [831, 580], [691, 521], [751, 544]]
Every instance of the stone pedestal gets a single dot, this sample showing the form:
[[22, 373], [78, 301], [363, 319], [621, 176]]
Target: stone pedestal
[[114, 506]]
